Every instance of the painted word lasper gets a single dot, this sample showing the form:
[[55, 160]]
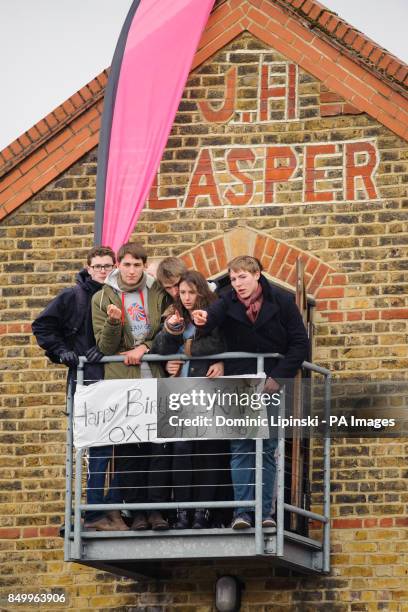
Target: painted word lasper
[[236, 175]]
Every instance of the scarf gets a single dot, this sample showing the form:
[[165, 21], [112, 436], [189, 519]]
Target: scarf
[[130, 288], [253, 303]]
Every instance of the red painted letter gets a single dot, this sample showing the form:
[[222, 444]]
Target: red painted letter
[[312, 175], [225, 112], [154, 202], [275, 173], [364, 171], [233, 158], [203, 182]]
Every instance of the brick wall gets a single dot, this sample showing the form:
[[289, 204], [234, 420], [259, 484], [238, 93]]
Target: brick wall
[[360, 246]]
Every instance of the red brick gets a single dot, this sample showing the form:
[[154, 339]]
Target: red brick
[[395, 313], [335, 317], [219, 247], [188, 260], [350, 37], [51, 532], [330, 292], [200, 261], [354, 316], [386, 522], [278, 259], [30, 532], [331, 110], [367, 48], [259, 246], [401, 521], [371, 315], [330, 96], [350, 109], [9, 179], [9, 533], [370, 522], [344, 523], [32, 160], [376, 55], [384, 63], [394, 67], [358, 42]]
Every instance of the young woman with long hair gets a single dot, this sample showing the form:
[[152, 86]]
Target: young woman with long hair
[[200, 468]]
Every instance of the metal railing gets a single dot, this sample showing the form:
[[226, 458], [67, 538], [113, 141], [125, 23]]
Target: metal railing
[[281, 505]]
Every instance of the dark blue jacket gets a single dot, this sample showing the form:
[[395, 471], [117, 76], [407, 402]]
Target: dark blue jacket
[[278, 329], [66, 324]]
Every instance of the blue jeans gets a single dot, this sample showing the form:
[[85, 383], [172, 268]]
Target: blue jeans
[[243, 473], [99, 457]]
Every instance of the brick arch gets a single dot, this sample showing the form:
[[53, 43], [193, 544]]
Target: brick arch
[[278, 258]]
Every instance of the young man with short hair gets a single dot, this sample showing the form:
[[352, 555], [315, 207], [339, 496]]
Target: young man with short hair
[[168, 274], [256, 317], [64, 330], [126, 318]]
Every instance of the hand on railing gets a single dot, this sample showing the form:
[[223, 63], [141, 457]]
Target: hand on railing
[[215, 370]]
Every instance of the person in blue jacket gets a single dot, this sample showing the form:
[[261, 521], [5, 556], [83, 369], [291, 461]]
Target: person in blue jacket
[[256, 317], [64, 330]]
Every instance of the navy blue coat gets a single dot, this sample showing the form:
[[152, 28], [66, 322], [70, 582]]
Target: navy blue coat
[[278, 328], [66, 324]]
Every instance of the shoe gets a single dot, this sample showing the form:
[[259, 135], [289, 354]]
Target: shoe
[[157, 521], [241, 521], [268, 522], [200, 520], [183, 521], [102, 524], [115, 517], [139, 522]]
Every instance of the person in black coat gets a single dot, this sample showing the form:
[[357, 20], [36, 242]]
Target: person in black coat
[[64, 330], [200, 467], [256, 317]]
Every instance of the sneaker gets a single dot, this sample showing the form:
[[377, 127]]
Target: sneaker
[[102, 524], [268, 522], [118, 524], [139, 522], [157, 521], [241, 521]]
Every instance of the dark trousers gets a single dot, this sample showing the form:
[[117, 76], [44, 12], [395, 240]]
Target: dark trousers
[[144, 472]]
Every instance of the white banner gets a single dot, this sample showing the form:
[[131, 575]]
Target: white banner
[[125, 411], [115, 412]]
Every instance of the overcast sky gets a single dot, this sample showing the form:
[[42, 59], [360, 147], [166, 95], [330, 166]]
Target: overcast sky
[[51, 48]]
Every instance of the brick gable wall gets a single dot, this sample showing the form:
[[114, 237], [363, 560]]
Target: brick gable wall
[[360, 246]]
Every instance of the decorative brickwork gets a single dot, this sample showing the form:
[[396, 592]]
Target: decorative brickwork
[[355, 253]]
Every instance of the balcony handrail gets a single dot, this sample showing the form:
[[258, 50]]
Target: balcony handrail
[[257, 501]]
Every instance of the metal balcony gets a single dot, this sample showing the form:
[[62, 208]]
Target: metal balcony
[[145, 553]]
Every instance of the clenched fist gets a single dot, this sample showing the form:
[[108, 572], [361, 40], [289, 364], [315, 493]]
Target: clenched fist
[[114, 313], [199, 317]]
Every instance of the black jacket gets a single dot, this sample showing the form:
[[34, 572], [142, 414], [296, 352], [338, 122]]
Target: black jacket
[[66, 324], [202, 344], [278, 329]]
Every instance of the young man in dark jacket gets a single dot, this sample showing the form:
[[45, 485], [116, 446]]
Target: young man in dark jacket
[[64, 330], [256, 317]]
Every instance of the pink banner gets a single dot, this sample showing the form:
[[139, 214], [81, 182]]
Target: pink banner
[[160, 47]]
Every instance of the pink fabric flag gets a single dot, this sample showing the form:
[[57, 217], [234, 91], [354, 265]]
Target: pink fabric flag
[[159, 51]]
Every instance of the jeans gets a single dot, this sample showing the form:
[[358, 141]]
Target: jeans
[[99, 457], [243, 473]]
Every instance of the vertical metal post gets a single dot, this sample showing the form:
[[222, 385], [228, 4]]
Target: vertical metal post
[[68, 473], [326, 475], [77, 506], [280, 491], [259, 541], [80, 371]]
